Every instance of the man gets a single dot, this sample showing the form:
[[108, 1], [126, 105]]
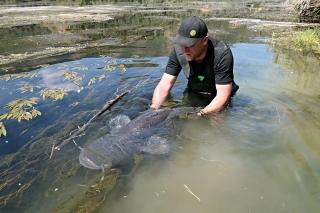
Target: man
[[206, 62]]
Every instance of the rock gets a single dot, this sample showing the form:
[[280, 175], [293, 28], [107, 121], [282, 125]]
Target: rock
[[308, 11]]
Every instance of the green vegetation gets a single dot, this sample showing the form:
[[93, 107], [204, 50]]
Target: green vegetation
[[21, 109], [307, 40]]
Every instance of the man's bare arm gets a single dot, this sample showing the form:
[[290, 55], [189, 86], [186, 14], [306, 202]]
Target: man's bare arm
[[221, 99], [162, 90]]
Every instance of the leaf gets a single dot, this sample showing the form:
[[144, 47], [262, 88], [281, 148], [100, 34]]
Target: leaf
[[3, 130], [33, 112], [3, 116], [9, 115], [7, 77], [28, 115]]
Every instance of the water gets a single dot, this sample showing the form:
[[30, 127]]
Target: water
[[260, 155]]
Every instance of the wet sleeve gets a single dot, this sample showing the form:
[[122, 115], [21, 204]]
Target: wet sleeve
[[224, 71], [173, 66]]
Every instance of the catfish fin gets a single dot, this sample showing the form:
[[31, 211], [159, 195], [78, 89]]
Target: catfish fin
[[117, 122], [156, 145]]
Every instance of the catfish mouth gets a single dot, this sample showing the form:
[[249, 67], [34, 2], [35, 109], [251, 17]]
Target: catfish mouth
[[90, 160]]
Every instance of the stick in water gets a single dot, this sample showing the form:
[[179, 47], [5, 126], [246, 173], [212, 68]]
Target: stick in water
[[85, 126], [188, 190]]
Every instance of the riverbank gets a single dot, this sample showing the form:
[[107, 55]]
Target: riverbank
[[35, 36], [19, 16]]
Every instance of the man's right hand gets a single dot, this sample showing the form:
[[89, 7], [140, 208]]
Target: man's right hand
[[154, 106], [162, 90]]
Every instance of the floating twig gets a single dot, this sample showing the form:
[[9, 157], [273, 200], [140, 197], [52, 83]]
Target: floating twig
[[188, 190], [85, 126], [210, 160], [53, 143], [214, 161]]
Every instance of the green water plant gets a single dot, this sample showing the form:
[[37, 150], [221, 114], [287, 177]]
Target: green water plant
[[73, 76], [94, 78], [113, 67], [81, 67], [8, 77], [56, 94], [306, 40], [21, 110], [3, 130], [26, 87]]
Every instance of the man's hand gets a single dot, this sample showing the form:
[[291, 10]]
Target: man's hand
[[162, 90], [221, 100], [154, 106], [202, 112]]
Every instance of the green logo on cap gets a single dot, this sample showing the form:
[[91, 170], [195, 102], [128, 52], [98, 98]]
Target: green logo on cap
[[193, 32]]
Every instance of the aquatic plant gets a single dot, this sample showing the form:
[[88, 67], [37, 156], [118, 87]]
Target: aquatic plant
[[94, 78], [26, 87], [113, 67], [3, 130], [307, 40], [21, 110], [8, 77], [81, 67], [56, 94]]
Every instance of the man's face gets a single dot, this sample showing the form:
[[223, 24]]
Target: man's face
[[197, 51]]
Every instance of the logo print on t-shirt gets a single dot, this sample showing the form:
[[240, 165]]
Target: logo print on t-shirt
[[200, 77]]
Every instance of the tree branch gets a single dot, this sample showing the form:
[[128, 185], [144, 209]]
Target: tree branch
[[85, 126]]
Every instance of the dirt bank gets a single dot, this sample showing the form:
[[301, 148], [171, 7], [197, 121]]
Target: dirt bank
[[18, 16], [32, 33]]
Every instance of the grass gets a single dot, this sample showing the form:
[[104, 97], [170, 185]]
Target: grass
[[307, 40]]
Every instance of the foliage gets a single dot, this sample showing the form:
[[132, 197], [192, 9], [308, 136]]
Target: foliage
[[94, 78], [307, 40], [112, 67], [73, 76], [26, 87], [24, 110], [56, 94], [21, 110], [3, 130], [8, 77]]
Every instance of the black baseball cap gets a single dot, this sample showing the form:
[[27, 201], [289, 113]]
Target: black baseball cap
[[190, 30]]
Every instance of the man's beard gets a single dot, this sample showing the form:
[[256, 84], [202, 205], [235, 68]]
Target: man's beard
[[193, 56]]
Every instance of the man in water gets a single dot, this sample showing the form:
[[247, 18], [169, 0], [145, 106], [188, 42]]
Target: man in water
[[206, 62]]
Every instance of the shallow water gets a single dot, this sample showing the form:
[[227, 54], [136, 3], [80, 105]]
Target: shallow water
[[260, 155]]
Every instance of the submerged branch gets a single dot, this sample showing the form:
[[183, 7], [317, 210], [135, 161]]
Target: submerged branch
[[85, 126]]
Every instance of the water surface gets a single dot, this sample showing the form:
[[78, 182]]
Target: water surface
[[260, 155]]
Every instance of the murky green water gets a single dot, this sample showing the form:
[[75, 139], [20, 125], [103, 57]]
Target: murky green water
[[260, 155]]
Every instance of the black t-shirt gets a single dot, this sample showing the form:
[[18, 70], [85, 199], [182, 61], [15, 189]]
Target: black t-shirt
[[221, 73]]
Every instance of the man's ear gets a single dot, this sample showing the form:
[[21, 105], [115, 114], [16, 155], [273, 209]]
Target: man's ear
[[205, 40]]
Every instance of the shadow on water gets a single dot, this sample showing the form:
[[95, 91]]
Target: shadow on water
[[260, 154]]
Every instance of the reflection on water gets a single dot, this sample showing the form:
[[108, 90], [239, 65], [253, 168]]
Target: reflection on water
[[260, 155], [134, 35]]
